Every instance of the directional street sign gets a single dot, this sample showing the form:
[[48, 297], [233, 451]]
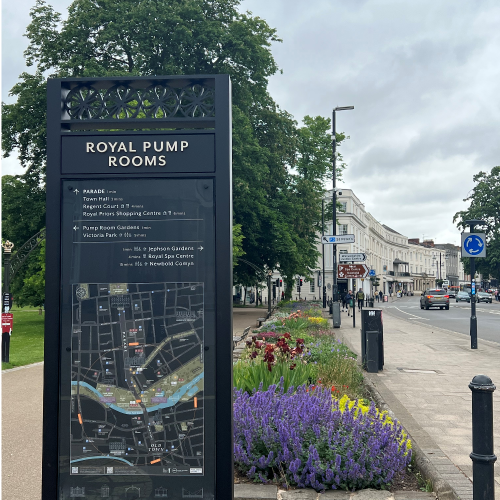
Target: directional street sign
[[352, 271], [473, 245], [352, 257], [343, 238]]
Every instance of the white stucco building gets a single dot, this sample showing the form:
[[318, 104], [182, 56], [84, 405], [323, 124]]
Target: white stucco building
[[399, 263]]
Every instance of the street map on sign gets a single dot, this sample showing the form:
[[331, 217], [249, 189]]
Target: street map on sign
[[137, 379]]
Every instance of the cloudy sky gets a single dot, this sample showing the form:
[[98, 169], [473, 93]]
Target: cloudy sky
[[423, 76]]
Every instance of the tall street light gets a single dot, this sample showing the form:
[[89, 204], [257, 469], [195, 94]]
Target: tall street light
[[473, 318], [334, 200]]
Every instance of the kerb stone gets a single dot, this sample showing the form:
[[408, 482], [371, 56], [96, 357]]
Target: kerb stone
[[255, 492]]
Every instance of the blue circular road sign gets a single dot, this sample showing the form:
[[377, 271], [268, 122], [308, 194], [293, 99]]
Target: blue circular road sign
[[473, 245]]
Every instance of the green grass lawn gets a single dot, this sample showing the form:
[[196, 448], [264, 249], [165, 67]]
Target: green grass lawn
[[26, 342]]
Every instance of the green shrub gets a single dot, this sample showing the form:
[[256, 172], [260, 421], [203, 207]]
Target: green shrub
[[249, 375]]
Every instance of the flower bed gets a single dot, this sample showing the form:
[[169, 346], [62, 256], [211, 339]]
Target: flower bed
[[306, 439], [294, 421]]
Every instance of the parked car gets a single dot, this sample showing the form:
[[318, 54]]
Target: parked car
[[483, 297], [463, 296], [435, 298]]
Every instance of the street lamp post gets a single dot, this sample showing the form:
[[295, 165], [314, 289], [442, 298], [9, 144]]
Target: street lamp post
[[473, 318], [269, 274], [323, 251], [7, 251], [334, 199]]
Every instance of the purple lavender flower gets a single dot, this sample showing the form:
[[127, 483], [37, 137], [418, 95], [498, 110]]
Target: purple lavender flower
[[303, 439]]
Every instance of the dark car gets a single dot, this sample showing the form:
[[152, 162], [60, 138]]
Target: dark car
[[465, 296], [483, 297], [435, 298]]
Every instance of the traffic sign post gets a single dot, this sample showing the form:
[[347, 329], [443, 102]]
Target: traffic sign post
[[473, 246], [337, 239], [349, 271], [352, 257]]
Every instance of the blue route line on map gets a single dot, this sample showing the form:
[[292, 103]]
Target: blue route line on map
[[172, 400]]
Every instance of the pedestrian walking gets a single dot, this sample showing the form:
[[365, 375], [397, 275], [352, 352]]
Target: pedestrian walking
[[361, 297], [348, 297], [344, 302], [377, 297], [380, 294]]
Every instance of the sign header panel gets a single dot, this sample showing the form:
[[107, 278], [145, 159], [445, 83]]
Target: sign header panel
[[352, 257], [473, 245], [337, 239], [352, 271], [119, 154]]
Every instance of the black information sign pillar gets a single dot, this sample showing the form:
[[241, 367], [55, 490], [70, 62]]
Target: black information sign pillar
[[138, 343]]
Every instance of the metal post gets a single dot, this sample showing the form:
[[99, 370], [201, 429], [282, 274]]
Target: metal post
[[269, 294], [354, 311], [6, 273], [483, 457], [334, 219], [473, 317], [323, 250]]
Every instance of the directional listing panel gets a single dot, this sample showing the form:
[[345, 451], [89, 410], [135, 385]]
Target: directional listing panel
[[138, 320], [473, 245]]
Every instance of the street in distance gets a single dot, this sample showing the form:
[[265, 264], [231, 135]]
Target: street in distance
[[137, 381]]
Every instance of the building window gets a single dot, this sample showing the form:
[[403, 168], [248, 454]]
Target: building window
[[342, 229], [311, 286], [343, 206]]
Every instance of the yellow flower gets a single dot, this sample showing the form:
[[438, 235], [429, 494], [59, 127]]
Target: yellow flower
[[384, 417]]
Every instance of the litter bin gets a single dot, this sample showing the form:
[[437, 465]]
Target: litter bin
[[335, 308], [372, 340], [370, 303]]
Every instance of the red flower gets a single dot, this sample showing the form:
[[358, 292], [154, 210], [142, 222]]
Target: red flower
[[300, 341], [248, 343], [269, 348], [254, 354], [258, 344], [287, 335], [292, 366], [269, 367]]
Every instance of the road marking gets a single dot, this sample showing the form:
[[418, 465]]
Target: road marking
[[80, 419], [409, 314], [155, 461], [195, 401]]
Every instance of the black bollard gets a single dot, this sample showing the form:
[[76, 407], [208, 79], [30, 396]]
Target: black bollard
[[483, 458]]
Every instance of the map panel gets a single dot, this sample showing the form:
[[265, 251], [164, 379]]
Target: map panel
[[137, 379]]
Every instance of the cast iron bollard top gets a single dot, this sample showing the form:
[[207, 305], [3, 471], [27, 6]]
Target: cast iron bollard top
[[482, 383]]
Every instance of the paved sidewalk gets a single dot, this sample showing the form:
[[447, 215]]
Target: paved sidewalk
[[434, 403]]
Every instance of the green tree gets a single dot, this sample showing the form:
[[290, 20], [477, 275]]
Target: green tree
[[278, 170], [237, 243], [484, 205]]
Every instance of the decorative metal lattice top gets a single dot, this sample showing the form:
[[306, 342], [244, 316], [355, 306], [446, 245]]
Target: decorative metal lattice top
[[25, 249], [122, 101]]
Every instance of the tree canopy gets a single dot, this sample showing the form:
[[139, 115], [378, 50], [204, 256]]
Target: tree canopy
[[485, 205], [279, 168]]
